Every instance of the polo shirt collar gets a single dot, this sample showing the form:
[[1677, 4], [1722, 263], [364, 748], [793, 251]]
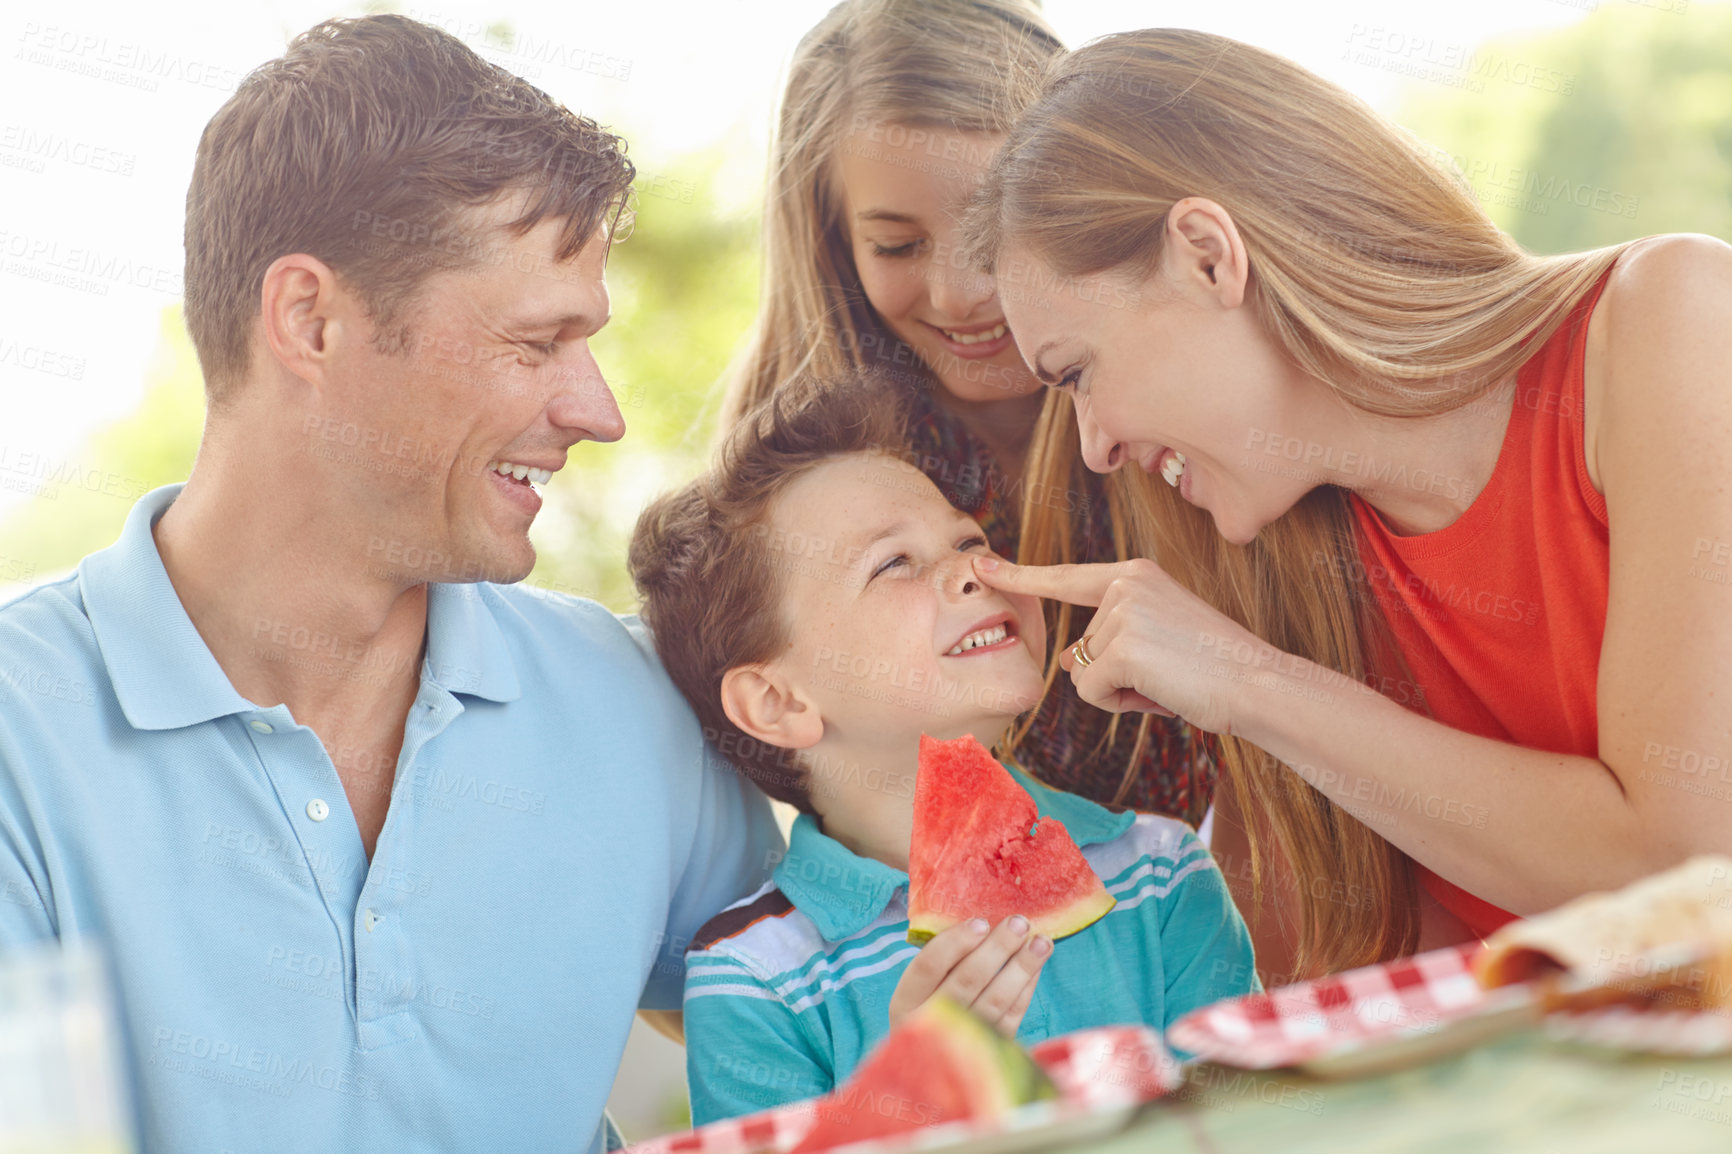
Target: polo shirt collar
[[466, 649], [164, 675], [843, 893]]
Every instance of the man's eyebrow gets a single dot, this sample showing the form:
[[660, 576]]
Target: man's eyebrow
[[1040, 373], [533, 321], [885, 214]]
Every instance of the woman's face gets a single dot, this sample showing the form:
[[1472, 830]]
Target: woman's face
[[1166, 378], [903, 189]]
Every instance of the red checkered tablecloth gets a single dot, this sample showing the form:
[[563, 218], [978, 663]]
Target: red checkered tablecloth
[[778, 1129], [1093, 1070], [1111, 1065], [1307, 1020]]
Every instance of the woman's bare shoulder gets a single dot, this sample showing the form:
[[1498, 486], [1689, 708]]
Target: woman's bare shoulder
[[1669, 278], [1652, 337]]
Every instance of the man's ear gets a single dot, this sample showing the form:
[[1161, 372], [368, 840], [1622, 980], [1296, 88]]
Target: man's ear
[[765, 705], [1204, 252], [302, 314]]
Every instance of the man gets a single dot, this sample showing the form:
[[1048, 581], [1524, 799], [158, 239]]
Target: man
[[384, 851]]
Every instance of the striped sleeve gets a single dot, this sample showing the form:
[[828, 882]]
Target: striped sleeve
[[746, 1048]]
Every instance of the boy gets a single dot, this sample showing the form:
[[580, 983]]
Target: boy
[[813, 597]]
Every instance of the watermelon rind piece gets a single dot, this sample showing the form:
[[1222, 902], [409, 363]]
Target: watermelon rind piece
[[1020, 1080], [943, 1064], [1074, 918]]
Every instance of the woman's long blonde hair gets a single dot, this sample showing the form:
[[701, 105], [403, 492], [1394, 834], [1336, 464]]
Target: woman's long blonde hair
[[965, 66], [1375, 270]]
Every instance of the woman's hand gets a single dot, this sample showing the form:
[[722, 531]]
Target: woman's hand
[[1156, 646], [993, 973]]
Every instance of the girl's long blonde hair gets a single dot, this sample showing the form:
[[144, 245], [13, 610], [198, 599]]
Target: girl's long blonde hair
[[965, 66], [1373, 268]]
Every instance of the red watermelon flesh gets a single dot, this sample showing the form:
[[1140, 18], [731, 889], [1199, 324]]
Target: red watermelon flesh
[[942, 1064], [981, 850]]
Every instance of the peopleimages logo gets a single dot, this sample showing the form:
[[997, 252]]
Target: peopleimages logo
[[225, 1060]]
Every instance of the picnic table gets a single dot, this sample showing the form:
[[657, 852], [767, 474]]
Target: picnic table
[[1521, 1092]]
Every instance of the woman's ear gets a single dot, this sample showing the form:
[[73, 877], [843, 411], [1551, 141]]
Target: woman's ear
[[766, 706], [1204, 252]]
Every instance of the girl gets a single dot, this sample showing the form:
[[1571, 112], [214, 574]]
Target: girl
[[892, 112], [1486, 486]]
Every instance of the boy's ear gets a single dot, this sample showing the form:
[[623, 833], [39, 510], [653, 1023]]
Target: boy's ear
[[766, 706]]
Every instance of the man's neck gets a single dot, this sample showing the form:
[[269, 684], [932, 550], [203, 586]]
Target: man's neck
[[278, 598], [287, 616]]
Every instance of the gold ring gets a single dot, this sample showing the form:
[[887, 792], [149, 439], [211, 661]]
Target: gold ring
[[1080, 651]]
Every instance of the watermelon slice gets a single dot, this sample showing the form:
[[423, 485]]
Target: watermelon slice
[[978, 850], [942, 1064]]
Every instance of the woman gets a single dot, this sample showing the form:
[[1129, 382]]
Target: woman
[[893, 110], [1485, 486]]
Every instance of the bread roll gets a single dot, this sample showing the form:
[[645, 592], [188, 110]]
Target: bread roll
[[1664, 940]]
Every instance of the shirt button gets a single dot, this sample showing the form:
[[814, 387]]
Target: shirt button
[[318, 810], [372, 920], [260, 726]]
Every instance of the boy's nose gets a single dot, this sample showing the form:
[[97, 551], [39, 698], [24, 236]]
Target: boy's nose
[[957, 577]]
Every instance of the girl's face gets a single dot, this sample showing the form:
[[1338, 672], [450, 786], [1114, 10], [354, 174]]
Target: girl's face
[[903, 190]]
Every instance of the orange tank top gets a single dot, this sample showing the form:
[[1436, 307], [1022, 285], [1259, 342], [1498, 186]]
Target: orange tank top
[[1500, 615]]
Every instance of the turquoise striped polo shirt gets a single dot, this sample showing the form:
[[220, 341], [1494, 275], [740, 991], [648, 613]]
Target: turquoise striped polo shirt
[[789, 989]]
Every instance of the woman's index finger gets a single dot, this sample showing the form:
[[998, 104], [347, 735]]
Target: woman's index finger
[[1075, 584]]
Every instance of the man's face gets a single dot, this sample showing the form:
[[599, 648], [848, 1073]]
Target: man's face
[[496, 374], [893, 634]]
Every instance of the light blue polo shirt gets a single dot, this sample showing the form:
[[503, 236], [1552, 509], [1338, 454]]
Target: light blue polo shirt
[[556, 834], [788, 990]]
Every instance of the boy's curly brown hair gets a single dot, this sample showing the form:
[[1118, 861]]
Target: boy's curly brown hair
[[712, 585]]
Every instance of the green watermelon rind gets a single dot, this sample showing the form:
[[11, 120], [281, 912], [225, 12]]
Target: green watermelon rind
[[1001, 1075], [1062, 923], [1020, 1079]]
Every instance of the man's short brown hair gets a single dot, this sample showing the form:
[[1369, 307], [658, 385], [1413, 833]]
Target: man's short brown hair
[[364, 145], [712, 586]]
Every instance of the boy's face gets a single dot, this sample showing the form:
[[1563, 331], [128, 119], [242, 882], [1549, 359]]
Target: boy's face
[[893, 634]]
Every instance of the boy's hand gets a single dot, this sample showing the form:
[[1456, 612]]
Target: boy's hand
[[993, 973]]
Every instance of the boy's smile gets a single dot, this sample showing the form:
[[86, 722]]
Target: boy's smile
[[989, 636]]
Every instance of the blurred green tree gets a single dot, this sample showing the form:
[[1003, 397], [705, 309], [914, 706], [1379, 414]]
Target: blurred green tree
[[1635, 139], [84, 508]]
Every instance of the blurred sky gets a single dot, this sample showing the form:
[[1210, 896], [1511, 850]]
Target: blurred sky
[[101, 106]]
